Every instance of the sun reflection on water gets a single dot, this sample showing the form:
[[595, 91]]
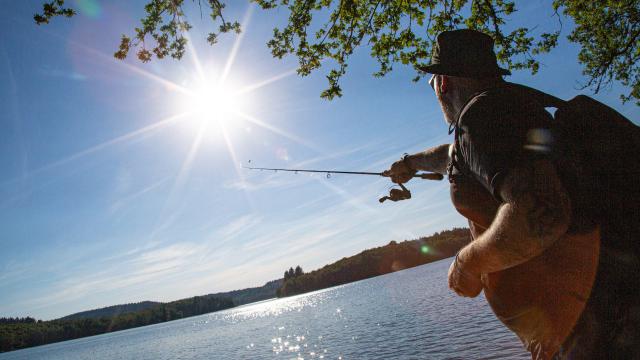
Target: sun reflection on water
[[278, 307], [288, 341]]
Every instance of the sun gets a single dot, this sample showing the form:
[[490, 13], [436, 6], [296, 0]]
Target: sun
[[213, 104]]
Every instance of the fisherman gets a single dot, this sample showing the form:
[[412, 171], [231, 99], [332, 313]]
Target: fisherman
[[561, 287]]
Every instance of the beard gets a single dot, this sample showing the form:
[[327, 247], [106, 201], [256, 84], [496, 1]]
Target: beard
[[448, 109]]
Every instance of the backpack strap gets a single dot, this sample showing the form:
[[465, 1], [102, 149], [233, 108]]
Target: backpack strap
[[454, 128], [535, 95]]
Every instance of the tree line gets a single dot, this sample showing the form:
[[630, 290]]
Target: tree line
[[377, 261], [291, 273], [27, 332], [18, 320]]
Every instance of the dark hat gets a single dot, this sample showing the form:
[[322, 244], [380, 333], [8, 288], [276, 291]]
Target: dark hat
[[464, 53]]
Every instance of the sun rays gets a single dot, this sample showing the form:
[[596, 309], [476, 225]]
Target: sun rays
[[128, 137], [212, 106], [214, 103]]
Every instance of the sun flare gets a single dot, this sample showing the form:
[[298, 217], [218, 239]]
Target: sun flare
[[213, 105]]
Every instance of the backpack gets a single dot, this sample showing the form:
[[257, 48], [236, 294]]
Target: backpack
[[597, 151]]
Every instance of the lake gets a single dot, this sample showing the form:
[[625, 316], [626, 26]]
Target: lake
[[409, 314]]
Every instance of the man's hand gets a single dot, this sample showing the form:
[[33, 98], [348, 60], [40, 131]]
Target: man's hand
[[400, 171], [464, 281], [434, 159]]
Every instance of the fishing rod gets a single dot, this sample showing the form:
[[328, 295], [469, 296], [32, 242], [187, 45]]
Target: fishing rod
[[426, 176], [394, 194]]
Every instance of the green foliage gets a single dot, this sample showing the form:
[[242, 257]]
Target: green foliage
[[402, 31], [609, 35], [22, 334], [52, 9], [396, 32], [24, 320], [165, 25], [291, 273], [378, 261]]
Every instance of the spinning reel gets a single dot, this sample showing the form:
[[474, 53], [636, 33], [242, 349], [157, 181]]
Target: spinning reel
[[397, 194]]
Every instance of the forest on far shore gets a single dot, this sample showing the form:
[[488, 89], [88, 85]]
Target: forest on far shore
[[377, 261], [27, 332]]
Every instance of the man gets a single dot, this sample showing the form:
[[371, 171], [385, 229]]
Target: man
[[546, 279]]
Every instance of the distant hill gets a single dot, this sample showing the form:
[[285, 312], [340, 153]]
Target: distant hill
[[111, 311], [19, 335], [239, 297], [249, 295], [378, 261]]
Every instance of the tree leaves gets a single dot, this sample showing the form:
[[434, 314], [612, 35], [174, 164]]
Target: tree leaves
[[402, 32], [609, 35], [51, 10], [162, 32], [399, 31]]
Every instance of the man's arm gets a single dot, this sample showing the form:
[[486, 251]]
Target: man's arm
[[434, 159], [536, 211]]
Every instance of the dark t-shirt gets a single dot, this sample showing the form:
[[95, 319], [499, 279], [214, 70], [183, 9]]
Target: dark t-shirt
[[498, 131]]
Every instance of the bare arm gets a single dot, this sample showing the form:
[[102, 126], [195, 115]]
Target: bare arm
[[434, 159], [535, 213]]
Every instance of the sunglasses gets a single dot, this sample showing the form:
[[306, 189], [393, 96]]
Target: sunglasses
[[432, 82]]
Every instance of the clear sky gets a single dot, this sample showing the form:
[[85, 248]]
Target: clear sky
[[109, 194]]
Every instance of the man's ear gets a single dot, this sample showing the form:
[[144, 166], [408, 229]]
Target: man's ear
[[444, 84]]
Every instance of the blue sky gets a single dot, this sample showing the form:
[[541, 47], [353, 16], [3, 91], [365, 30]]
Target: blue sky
[[107, 196]]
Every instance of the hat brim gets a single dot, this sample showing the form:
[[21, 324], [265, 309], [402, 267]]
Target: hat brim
[[442, 69]]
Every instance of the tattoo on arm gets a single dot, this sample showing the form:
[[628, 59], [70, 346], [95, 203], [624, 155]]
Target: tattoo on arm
[[536, 212], [538, 192]]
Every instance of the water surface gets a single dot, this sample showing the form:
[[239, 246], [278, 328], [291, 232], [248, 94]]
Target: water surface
[[409, 314]]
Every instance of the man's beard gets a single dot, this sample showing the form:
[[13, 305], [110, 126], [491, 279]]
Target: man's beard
[[448, 110]]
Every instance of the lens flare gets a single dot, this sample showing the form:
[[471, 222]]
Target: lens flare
[[89, 8]]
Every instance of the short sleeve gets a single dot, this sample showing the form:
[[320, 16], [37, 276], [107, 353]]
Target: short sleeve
[[498, 132]]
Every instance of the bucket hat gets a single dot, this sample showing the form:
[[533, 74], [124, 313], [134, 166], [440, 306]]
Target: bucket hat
[[464, 53]]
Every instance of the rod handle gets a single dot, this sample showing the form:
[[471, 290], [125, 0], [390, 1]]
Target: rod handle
[[429, 176]]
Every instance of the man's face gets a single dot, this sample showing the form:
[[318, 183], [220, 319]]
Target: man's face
[[443, 98]]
